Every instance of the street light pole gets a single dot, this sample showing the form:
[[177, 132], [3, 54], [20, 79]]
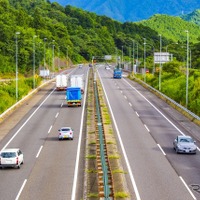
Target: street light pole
[[53, 56], [59, 58], [153, 56], [16, 56], [34, 61], [122, 56], [145, 60], [187, 70], [44, 52], [133, 54], [160, 62], [67, 56]]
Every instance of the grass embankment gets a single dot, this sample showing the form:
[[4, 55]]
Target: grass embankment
[[118, 174], [8, 90]]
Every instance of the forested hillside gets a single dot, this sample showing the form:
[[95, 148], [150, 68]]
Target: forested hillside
[[134, 10], [76, 32], [173, 27], [80, 35], [193, 17]]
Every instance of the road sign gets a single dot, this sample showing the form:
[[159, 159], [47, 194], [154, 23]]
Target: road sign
[[162, 57]]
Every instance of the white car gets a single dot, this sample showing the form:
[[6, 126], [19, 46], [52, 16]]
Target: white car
[[12, 157], [66, 133]]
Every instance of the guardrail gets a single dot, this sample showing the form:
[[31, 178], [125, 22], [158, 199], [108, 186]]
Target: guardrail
[[169, 99], [105, 182], [17, 104]]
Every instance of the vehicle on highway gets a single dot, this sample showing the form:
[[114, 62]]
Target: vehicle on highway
[[12, 157], [80, 66], [184, 144], [73, 96], [107, 67], [117, 73], [66, 133]]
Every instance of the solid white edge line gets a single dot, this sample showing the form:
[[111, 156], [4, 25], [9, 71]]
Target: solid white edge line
[[50, 129], [157, 110], [39, 152], [146, 127], [167, 120], [73, 197], [161, 149], [20, 191], [122, 146], [187, 188], [26, 121]]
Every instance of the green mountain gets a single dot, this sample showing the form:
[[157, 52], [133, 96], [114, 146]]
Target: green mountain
[[193, 17], [133, 10], [79, 33], [173, 28]]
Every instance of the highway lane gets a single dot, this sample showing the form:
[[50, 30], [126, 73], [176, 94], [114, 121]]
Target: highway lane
[[143, 130], [49, 165]]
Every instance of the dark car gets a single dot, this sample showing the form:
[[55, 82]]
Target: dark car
[[184, 144]]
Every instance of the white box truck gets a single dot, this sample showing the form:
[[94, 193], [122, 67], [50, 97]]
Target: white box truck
[[77, 81], [61, 82]]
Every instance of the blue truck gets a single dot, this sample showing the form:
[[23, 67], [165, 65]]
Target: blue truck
[[73, 96], [117, 73]]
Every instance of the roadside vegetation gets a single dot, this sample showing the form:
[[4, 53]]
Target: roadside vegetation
[[173, 84], [8, 91]]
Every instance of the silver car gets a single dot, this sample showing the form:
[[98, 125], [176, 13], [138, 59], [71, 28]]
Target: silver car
[[184, 144], [66, 133]]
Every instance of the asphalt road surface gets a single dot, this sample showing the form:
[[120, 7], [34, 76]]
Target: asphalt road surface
[[146, 128], [52, 169]]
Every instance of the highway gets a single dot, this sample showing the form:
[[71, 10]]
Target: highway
[[51, 167], [146, 128]]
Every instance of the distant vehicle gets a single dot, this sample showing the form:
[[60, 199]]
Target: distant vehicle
[[90, 65], [61, 82], [80, 66], [117, 73], [73, 96], [66, 133], [11, 158], [77, 81], [184, 144], [107, 67]]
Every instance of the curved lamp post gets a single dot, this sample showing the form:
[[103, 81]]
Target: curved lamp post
[[34, 61], [16, 57], [44, 52], [160, 62], [145, 60], [187, 70]]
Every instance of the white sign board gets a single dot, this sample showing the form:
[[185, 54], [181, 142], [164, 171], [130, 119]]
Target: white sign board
[[44, 72], [161, 57], [107, 57]]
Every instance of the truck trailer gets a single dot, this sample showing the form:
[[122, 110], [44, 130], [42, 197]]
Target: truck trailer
[[73, 96], [77, 81], [61, 82]]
